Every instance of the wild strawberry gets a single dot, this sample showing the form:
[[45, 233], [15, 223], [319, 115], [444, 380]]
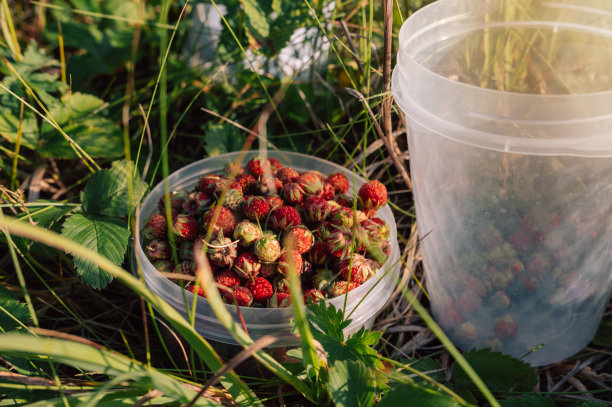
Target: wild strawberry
[[267, 249], [279, 300], [506, 327], [345, 200], [284, 218], [323, 231], [450, 318], [268, 271], [341, 216], [378, 250], [319, 254], [500, 300], [256, 208], [287, 174], [233, 169], [247, 233], [338, 288], [468, 302], [247, 183], [339, 182], [289, 260], [191, 289], [258, 166], [268, 186], [521, 240], [360, 215], [328, 192], [246, 265], [282, 285], [355, 268], [275, 165], [323, 279], [239, 295], [206, 183], [372, 195], [159, 250], [185, 251], [227, 279], [225, 220], [156, 227], [489, 236], [177, 198], [376, 228], [292, 193], [275, 201], [164, 266], [333, 205], [185, 227], [299, 238], [530, 283], [340, 243], [261, 289], [233, 198], [222, 185], [316, 209], [311, 184], [313, 295], [186, 267], [196, 203], [537, 265], [468, 332], [222, 251], [307, 268]]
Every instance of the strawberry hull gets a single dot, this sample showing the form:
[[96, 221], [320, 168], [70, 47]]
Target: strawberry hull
[[261, 321]]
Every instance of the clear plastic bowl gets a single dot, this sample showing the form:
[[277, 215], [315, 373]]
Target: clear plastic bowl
[[264, 321], [509, 106]]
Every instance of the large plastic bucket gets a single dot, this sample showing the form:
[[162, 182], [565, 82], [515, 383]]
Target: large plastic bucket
[[509, 105], [362, 304]]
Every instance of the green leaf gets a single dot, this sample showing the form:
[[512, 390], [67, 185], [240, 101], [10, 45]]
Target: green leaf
[[351, 384], [327, 324], [220, 139], [528, 401], [107, 192], [45, 216], [604, 333], [256, 18], [408, 394], [104, 235], [431, 367], [13, 313], [81, 116], [498, 371]]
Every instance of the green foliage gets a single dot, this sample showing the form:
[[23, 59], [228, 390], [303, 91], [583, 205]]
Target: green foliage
[[13, 314], [431, 367], [220, 138], [528, 401], [327, 326], [604, 333], [108, 191], [352, 384], [408, 394], [499, 372], [102, 234], [46, 216]]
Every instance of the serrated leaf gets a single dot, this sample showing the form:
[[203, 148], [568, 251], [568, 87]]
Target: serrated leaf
[[429, 366], [107, 192], [13, 313], [528, 401], [105, 235], [408, 394], [220, 139], [45, 216], [256, 18], [81, 117], [499, 372], [351, 384]]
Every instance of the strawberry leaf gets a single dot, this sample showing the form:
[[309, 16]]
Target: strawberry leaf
[[351, 383], [499, 372], [13, 313], [410, 394], [106, 192], [104, 235]]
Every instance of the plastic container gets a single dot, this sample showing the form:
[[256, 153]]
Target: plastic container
[[264, 321], [509, 107]]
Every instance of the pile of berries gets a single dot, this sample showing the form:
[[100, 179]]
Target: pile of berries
[[268, 220]]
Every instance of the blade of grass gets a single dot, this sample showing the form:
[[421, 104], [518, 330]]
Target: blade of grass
[[237, 388], [17, 147], [8, 29]]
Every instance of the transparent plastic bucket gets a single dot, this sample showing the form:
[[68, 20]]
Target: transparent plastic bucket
[[509, 106], [363, 303]]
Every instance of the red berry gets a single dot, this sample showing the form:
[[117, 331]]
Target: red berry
[[341, 216], [233, 169], [292, 193], [328, 192], [275, 165], [506, 327], [356, 268], [340, 243], [267, 249], [222, 251], [345, 200], [256, 208], [372, 195], [247, 232], [315, 209], [299, 238], [159, 250], [339, 182], [287, 174], [206, 183], [258, 166], [156, 227], [268, 270], [279, 300], [287, 260], [226, 221], [450, 318], [260, 288], [313, 295], [468, 332], [246, 265], [269, 186], [191, 288], [185, 227], [196, 203], [227, 278], [319, 254], [284, 218], [246, 182], [238, 295], [340, 288], [311, 183], [275, 201]]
